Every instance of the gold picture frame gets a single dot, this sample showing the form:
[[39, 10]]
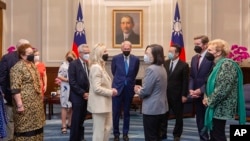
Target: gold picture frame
[[127, 25]]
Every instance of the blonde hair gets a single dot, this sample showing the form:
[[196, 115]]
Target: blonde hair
[[70, 53], [220, 45], [95, 56]]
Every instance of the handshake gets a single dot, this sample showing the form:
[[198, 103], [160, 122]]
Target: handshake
[[137, 89]]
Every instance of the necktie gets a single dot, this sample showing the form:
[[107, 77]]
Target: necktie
[[171, 67], [126, 65], [198, 62], [85, 68]]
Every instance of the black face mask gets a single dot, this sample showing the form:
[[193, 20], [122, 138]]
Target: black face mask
[[209, 56], [197, 49], [30, 57], [126, 53], [69, 59], [105, 57]]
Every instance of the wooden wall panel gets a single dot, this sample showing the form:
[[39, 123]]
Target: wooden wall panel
[[51, 74], [246, 74]]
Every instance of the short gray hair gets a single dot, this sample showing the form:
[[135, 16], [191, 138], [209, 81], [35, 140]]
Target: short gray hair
[[22, 41], [126, 43], [80, 48]]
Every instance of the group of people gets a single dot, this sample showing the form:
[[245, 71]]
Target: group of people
[[91, 89], [23, 81], [214, 82]]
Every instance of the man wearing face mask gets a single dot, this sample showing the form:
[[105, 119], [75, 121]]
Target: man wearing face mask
[[124, 67], [177, 90], [200, 68], [79, 89]]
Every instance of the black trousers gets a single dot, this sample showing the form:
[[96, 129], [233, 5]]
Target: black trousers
[[218, 132], [77, 120], [177, 107], [152, 126]]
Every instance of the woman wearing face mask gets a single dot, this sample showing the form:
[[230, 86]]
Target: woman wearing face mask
[[224, 91], [42, 71], [153, 93], [100, 94], [28, 111], [66, 111]]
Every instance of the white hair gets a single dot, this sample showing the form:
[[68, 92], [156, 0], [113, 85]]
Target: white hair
[[80, 47], [22, 41]]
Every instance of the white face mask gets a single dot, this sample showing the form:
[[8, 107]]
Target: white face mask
[[85, 56], [36, 58], [146, 59]]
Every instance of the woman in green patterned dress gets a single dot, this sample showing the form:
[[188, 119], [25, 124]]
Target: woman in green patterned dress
[[28, 111]]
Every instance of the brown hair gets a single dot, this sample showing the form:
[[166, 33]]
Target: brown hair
[[21, 50], [204, 39]]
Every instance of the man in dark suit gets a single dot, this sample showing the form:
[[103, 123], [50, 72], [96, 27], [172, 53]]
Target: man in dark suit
[[177, 90], [127, 25], [124, 67], [200, 69], [7, 62], [79, 89]]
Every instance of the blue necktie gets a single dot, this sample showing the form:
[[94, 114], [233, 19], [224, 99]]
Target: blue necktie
[[126, 65], [126, 68]]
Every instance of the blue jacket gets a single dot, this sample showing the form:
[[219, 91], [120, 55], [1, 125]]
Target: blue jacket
[[7, 62], [119, 73]]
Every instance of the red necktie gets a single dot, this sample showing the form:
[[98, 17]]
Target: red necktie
[[198, 62]]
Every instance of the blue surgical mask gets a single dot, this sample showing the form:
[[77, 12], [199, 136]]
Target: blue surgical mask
[[85, 56], [170, 56], [146, 59]]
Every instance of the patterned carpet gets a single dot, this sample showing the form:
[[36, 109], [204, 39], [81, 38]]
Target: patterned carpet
[[52, 131]]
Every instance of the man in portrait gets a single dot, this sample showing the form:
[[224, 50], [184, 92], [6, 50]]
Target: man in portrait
[[127, 25]]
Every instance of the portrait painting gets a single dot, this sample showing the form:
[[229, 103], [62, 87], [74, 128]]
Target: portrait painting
[[127, 25]]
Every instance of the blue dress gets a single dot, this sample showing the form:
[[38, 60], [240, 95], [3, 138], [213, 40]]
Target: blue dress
[[3, 120]]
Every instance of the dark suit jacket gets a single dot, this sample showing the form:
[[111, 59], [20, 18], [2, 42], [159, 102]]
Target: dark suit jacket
[[119, 73], [177, 80], [197, 77], [78, 81], [7, 62], [133, 38]]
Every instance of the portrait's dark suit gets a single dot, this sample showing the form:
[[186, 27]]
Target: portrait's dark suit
[[177, 87], [79, 84], [124, 83], [7, 62], [197, 79], [133, 38]]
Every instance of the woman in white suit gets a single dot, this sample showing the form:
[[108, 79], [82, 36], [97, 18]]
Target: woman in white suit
[[100, 94]]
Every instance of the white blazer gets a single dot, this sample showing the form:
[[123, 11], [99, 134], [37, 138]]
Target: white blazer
[[100, 91]]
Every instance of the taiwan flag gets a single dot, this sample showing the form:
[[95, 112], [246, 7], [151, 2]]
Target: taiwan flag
[[79, 36], [177, 37]]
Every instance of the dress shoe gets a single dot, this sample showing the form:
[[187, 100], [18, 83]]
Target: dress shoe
[[116, 138], [125, 138], [176, 138]]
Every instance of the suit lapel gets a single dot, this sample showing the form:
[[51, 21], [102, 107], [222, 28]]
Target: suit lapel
[[82, 71], [123, 63], [167, 67]]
